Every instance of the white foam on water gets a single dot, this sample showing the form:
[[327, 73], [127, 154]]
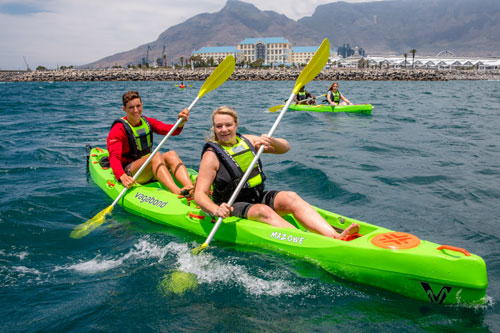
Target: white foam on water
[[143, 250], [209, 269], [93, 266], [17, 275], [25, 270], [21, 255], [206, 267]]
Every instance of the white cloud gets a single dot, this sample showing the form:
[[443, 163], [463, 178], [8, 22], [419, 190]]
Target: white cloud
[[59, 32]]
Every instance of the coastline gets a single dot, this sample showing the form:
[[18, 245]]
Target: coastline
[[240, 74]]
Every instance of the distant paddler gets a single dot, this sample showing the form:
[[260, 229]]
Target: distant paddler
[[304, 97]]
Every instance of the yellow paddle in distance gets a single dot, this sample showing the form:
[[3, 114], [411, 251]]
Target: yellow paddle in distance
[[218, 77], [279, 107], [312, 69]]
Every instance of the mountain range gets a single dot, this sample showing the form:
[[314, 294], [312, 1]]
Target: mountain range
[[464, 27]]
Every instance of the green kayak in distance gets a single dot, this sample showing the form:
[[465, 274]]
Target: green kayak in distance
[[395, 261], [360, 108]]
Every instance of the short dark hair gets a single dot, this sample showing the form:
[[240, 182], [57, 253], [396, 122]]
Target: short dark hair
[[130, 95]]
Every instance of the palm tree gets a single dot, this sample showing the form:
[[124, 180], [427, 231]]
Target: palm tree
[[406, 56], [413, 51], [211, 62], [182, 61]]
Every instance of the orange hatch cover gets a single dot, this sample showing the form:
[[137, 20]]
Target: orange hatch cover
[[396, 240]]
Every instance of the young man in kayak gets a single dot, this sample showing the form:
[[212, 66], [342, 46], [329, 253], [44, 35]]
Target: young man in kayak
[[130, 141], [224, 160], [304, 97], [334, 96]]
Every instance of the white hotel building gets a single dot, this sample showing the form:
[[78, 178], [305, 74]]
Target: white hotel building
[[273, 50]]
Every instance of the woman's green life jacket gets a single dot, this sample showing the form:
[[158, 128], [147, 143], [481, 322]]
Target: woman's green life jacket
[[235, 161], [334, 96]]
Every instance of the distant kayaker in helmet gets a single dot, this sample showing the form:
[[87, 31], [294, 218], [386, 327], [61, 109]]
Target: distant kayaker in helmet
[[130, 142], [304, 97], [334, 96], [225, 159], [182, 86]]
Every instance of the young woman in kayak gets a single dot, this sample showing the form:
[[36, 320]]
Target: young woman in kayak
[[223, 160], [130, 142], [334, 96]]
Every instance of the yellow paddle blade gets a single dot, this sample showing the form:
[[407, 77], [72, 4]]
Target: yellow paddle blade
[[276, 108], [199, 249], [219, 75], [177, 283], [315, 65], [86, 228]]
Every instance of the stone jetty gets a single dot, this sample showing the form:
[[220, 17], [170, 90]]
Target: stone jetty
[[247, 74]]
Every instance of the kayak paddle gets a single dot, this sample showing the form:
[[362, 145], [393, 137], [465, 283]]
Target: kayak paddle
[[279, 107], [312, 69], [218, 77]]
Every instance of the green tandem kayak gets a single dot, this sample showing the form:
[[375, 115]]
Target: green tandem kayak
[[395, 261], [361, 108]]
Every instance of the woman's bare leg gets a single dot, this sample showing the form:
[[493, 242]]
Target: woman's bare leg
[[287, 202], [265, 214]]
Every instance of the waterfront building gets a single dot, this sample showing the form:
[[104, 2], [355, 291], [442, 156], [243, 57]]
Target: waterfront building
[[302, 54], [218, 53], [434, 62], [346, 51], [272, 50]]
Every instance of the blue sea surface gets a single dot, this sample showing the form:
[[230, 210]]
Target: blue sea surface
[[426, 162]]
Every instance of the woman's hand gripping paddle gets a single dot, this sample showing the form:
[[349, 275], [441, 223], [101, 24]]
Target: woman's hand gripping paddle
[[218, 77], [312, 69]]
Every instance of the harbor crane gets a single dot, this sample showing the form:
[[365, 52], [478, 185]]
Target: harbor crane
[[164, 57], [146, 60], [27, 66]]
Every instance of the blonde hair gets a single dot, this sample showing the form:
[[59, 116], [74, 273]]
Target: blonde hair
[[225, 110]]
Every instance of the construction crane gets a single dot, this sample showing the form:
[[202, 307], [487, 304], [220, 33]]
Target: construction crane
[[27, 66], [147, 54], [146, 60], [164, 57]]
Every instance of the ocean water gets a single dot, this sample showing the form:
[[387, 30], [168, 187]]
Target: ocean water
[[425, 162]]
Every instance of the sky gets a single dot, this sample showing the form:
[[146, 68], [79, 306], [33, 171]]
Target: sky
[[53, 33]]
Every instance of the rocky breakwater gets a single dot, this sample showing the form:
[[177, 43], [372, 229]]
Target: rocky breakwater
[[276, 74]]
